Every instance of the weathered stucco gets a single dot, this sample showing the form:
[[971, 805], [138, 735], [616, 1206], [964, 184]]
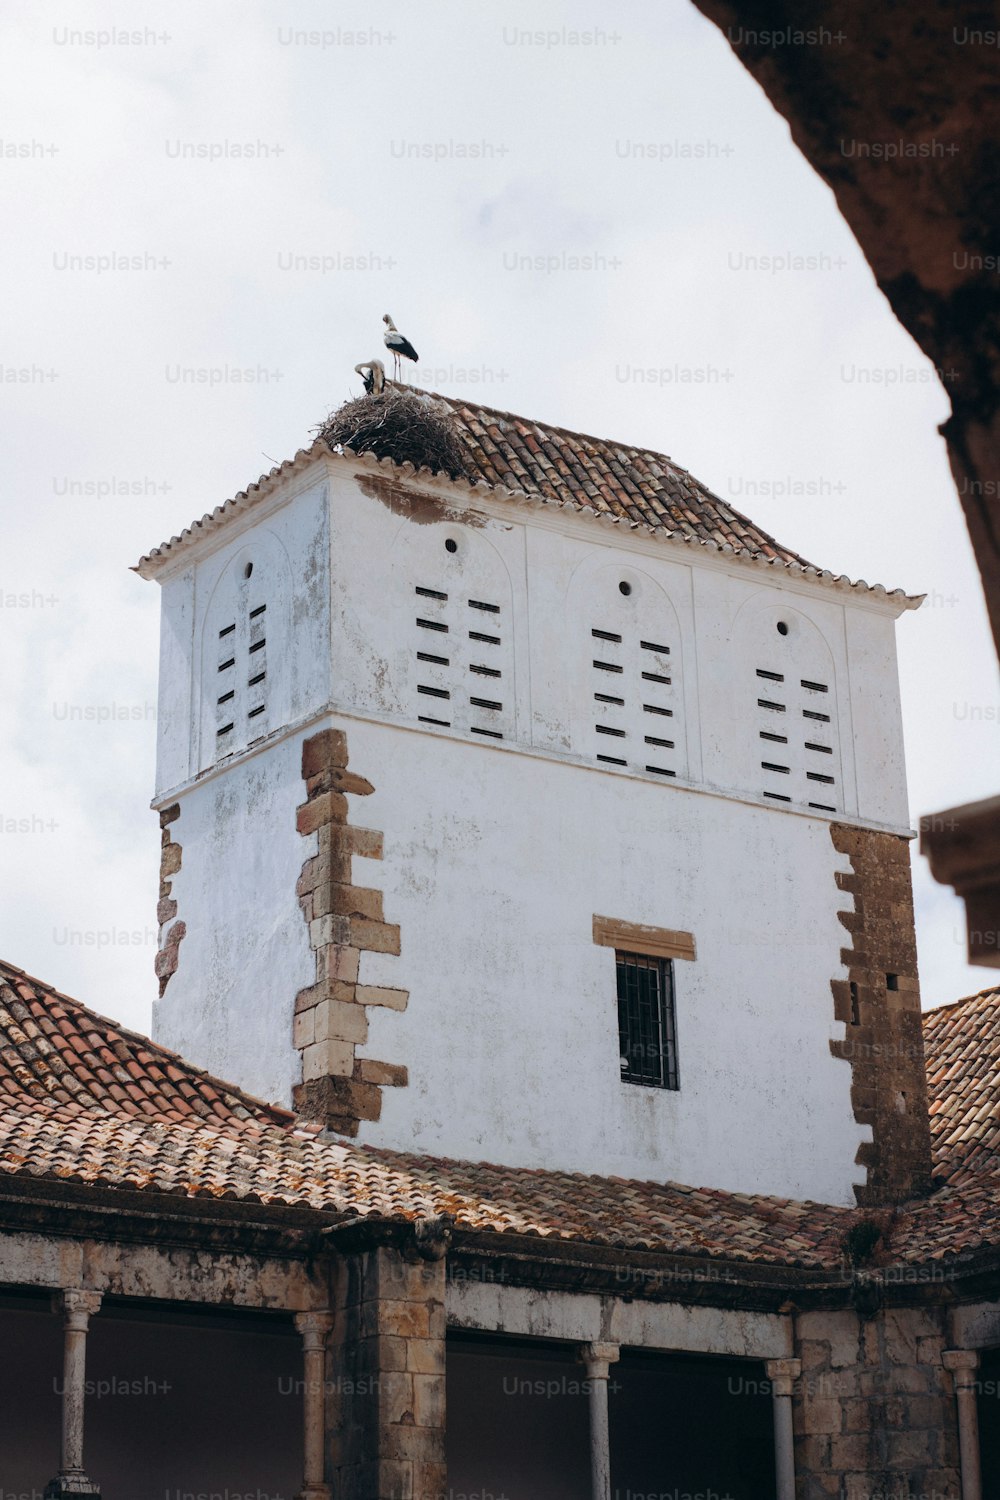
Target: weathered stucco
[[523, 1312], [230, 1005]]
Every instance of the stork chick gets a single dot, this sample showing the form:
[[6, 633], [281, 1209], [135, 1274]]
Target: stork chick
[[372, 372], [399, 346]]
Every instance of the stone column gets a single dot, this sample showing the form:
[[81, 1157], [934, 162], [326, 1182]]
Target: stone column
[[598, 1358], [783, 1373], [314, 1327], [963, 1364], [78, 1307]]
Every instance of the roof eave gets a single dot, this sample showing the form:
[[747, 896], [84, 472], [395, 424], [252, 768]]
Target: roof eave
[[165, 557]]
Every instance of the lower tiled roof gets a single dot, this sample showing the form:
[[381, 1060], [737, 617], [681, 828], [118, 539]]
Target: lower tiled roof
[[82, 1100], [962, 1045], [53, 1048], [285, 1167]]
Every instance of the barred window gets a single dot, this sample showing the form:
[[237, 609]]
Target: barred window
[[647, 1029]]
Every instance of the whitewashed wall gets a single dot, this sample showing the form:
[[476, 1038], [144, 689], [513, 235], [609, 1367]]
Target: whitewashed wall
[[494, 867], [245, 953], [504, 833]]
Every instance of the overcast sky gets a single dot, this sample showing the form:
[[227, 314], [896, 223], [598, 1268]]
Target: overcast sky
[[555, 216]]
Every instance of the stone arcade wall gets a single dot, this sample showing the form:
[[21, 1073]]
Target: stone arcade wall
[[874, 1408], [873, 1402]]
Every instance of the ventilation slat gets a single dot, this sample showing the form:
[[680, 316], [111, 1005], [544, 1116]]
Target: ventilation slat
[[455, 667], [645, 662], [243, 688], [800, 753]]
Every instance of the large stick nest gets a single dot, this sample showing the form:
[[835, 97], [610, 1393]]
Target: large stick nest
[[398, 425]]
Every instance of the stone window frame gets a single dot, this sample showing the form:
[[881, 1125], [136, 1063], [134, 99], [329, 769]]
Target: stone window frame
[[665, 944]]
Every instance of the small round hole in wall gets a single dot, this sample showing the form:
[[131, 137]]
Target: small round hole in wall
[[248, 570], [782, 627], [451, 545], [625, 587]]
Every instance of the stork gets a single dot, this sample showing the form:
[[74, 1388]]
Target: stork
[[372, 372], [400, 346]]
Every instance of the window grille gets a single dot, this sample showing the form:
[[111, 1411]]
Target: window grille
[[647, 1027]]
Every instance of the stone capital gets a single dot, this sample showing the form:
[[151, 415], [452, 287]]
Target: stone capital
[[597, 1358], [78, 1307], [783, 1373], [313, 1327], [963, 1364]]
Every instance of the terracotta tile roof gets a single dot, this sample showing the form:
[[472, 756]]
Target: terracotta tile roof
[[634, 487], [613, 479], [276, 1166], [962, 1045], [83, 1100], [54, 1049]]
